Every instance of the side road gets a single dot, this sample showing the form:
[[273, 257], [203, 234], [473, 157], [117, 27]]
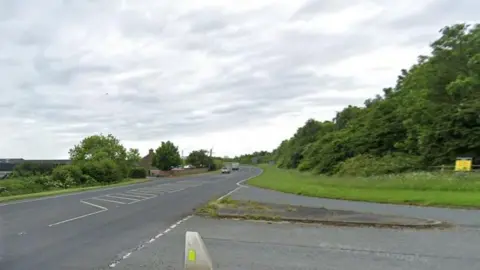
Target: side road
[[462, 217]]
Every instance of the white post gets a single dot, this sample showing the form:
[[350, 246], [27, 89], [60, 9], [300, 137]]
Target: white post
[[196, 254]]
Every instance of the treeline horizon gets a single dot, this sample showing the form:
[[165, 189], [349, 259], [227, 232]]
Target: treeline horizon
[[428, 118]]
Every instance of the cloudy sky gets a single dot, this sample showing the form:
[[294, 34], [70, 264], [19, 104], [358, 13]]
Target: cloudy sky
[[235, 75]]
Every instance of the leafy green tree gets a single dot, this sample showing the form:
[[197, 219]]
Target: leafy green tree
[[199, 158], [133, 157], [166, 156], [97, 150], [256, 157], [429, 117]]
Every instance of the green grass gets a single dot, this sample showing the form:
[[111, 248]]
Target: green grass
[[68, 190], [428, 189]]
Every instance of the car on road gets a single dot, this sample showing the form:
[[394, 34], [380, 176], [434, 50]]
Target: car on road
[[225, 170]]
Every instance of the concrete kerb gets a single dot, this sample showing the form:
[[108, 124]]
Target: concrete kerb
[[435, 224]]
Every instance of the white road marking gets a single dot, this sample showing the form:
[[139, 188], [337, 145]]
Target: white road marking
[[121, 198], [102, 209], [115, 263], [89, 191], [156, 189], [142, 193], [240, 185], [134, 195], [128, 193], [106, 200], [176, 190], [64, 195]]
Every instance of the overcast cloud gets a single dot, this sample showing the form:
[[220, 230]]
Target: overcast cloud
[[236, 75]]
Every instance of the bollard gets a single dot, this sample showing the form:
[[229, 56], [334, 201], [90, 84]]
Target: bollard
[[196, 254]]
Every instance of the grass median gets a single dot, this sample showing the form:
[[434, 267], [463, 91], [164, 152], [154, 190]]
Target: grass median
[[69, 190], [426, 189]]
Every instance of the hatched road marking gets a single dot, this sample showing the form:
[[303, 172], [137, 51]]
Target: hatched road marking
[[133, 196]]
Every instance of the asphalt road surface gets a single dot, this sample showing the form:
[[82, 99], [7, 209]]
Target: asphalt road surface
[[92, 230], [248, 245], [242, 245]]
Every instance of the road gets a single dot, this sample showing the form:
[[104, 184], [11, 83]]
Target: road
[[242, 245], [91, 230], [246, 245]]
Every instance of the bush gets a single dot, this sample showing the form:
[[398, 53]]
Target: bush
[[30, 184], [103, 171], [138, 172], [68, 175], [87, 180], [368, 165], [44, 181], [216, 165], [30, 168]]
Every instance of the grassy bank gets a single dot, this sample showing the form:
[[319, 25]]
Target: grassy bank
[[428, 189], [67, 190]]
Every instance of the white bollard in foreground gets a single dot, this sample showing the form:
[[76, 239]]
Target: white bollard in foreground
[[196, 254]]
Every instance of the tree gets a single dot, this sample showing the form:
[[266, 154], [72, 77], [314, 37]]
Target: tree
[[199, 158], [101, 149], [133, 157], [166, 156], [429, 117]]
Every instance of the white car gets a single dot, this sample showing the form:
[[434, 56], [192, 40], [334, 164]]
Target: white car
[[225, 170]]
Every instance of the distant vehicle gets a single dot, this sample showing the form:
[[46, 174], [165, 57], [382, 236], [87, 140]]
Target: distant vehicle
[[225, 170], [235, 166]]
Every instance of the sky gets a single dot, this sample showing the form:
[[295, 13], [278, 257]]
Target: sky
[[235, 76]]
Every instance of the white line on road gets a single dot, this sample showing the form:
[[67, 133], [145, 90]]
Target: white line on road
[[175, 190], [142, 193], [173, 226], [106, 200], [102, 209], [128, 193], [240, 185], [121, 198], [115, 263]]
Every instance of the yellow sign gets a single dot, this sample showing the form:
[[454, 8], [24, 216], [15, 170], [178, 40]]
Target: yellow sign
[[463, 164], [192, 255]]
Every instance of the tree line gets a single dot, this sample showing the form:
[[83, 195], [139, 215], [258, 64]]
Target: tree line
[[98, 160], [167, 156], [430, 117]]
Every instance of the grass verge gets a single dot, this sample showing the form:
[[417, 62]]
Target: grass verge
[[68, 190], [425, 189], [211, 208]]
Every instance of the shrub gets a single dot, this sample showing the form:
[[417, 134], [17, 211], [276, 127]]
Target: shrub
[[67, 175], [138, 172], [32, 168], [215, 165], [103, 171], [87, 180], [43, 181], [32, 184], [368, 165]]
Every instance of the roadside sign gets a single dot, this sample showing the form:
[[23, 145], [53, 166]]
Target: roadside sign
[[463, 164]]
